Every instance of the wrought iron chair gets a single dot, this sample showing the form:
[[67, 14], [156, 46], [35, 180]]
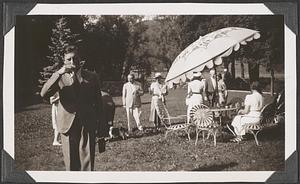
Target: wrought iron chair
[[266, 120], [171, 122], [202, 117]]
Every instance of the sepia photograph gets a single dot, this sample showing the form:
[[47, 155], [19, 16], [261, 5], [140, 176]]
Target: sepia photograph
[[149, 93]]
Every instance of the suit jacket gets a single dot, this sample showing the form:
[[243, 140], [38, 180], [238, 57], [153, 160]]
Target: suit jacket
[[81, 99], [209, 86], [131, 94]]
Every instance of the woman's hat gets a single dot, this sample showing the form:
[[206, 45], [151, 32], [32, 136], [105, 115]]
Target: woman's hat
[[212, 72], [157, 75], [196, 74]]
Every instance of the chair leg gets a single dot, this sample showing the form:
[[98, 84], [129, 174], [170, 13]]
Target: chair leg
[[188, 133], [197, 134], [215, 137], [255, 136], [203, 136], [166, 134], [230, 130], [187, 130]]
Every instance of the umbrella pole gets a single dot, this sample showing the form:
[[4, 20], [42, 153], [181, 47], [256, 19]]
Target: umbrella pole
[[217, 92]]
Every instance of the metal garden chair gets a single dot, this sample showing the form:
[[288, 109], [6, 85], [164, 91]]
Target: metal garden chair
[[266, 120], [171, 123], [202, 117]]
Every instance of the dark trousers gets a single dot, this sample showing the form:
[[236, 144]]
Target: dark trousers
[[157, 120], [78, 146], [212, 98]]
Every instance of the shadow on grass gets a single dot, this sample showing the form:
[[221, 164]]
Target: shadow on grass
[[147, 132], [217, 167], [143, 103]]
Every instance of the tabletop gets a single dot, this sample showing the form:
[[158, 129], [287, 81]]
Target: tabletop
[[223, 109]]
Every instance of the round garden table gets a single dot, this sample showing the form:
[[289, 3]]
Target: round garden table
[[224, 111]]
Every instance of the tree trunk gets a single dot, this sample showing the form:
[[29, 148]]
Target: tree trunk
[[233, 69], [242, 70], [272, 82], [253, 72]]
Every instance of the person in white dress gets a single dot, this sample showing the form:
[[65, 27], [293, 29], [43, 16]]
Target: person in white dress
[[158, 90], [54, 101], [222, 90], [195, 90], [131, 97], [251, 112]]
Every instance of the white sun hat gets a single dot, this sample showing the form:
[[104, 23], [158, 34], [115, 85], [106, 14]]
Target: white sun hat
[[157, 75]]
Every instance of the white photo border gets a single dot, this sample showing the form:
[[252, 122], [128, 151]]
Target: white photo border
[[151, 9]]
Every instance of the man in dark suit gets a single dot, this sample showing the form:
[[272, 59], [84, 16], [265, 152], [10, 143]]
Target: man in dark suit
[[210, 89], [79, 112]]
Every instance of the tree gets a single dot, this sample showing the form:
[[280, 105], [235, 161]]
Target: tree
[[136, 58], [164, 43], [61, 37]]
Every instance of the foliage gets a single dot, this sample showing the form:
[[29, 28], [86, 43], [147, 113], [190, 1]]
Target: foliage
[[106, 43], [61, 36], [136, 56]]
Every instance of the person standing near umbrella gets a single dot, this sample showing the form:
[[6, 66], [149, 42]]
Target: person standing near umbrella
[[222, 90], [131, 97], [211, 88], [195, 90], [158, 89]]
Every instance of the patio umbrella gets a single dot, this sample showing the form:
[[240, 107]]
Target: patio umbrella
[[208, 51]]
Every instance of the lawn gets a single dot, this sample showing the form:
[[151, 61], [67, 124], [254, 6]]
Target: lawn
[[149, 151]]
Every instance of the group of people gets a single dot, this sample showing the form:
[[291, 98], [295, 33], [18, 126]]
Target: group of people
[[131, 98], [212, 90], [78, 108]]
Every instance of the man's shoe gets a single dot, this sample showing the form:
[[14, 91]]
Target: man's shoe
[[55, 143]]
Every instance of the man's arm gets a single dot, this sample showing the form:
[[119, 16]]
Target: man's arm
[[140, 90], [51, 86], [124, 95]]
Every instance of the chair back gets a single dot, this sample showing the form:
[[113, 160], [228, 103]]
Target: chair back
[[268, 114], [201, 116]]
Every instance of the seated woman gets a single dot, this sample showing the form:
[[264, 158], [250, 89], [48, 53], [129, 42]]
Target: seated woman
[[250, 113]]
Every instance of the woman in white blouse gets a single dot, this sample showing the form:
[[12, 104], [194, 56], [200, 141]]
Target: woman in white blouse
[[251, 112], [158, 90], [195, 90]]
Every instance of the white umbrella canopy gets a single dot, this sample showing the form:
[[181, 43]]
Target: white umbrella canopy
[[208, 51]]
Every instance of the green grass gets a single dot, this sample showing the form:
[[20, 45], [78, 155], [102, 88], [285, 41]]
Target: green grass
[[148, 151]]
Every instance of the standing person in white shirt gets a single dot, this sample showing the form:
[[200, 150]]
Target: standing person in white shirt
[[158, 89], [253, 105], [131, 97], [195, 90], [211, 88]]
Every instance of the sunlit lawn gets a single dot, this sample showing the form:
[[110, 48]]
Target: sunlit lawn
[[148, 151]]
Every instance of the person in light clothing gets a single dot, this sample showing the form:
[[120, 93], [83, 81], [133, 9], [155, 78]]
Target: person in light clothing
[[158, 90], [251, 112], [54, 101], [131, 97], [195, 90], [222, 90]]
